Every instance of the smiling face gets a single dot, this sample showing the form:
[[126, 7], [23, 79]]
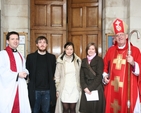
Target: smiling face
[[121, 39], [69, 50], [13, 41], [91, 50], [42, 45]]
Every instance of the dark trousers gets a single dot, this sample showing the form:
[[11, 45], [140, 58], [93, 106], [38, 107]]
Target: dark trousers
[[42, 101], [52, 109]]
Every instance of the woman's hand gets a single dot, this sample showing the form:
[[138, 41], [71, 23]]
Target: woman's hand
[[57, 94], [87, 91]]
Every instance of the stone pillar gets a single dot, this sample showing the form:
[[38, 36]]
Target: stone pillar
[[112, 9], [135, 21], [2, 22]]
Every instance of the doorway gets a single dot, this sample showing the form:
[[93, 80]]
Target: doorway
[[78, 21]]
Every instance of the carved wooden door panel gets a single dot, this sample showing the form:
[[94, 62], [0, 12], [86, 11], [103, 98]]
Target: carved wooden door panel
[[78, 21], [48, 18], [84, 21]]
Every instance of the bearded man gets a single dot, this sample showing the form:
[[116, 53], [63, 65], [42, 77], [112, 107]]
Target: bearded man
[[41, 66]]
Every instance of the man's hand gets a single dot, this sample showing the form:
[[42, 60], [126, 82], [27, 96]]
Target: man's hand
[[106, 79], [130, 60], [22, 74]]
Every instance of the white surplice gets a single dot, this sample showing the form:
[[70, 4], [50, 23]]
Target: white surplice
[[8, 84]]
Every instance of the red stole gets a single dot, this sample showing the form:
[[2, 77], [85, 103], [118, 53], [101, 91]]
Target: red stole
[[13, 67]]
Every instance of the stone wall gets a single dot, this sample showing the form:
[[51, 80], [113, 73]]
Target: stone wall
[[128, 11], [14, 16]]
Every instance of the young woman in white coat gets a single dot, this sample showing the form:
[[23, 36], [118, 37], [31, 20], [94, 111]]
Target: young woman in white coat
[[67, 80]]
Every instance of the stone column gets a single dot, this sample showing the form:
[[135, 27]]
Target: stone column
[[134, 17], [112, 9]]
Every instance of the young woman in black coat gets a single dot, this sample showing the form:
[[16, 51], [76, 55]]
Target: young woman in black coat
[[91, 80]]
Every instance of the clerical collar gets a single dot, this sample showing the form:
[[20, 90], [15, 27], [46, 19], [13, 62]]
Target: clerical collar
[[14, 50], [121, 47]]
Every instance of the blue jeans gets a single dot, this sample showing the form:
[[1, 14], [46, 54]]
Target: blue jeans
[[42, 99]]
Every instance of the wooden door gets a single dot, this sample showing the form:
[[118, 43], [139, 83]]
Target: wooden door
[[78, 21], [48, 18], [84, 21]]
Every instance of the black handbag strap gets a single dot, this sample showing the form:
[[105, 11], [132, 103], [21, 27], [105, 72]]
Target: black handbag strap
[[91, 69]]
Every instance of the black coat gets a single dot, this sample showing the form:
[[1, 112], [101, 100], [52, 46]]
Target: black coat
[[31, 66], [92, 82]]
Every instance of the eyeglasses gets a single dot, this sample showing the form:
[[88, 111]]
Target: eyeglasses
[[120, 35]]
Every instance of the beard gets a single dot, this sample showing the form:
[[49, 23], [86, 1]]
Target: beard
[[42, 50]]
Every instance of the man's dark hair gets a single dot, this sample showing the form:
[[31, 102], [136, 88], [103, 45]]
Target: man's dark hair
[[11, 33], [41, 38]]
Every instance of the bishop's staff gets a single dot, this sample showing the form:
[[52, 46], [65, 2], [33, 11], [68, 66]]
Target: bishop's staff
[[129, 53]]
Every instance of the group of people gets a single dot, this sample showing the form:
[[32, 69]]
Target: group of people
[[68, 84]]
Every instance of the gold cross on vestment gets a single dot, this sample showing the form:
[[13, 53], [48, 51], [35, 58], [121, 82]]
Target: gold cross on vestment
[[115, 106], [116, 83], [119, 61]]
